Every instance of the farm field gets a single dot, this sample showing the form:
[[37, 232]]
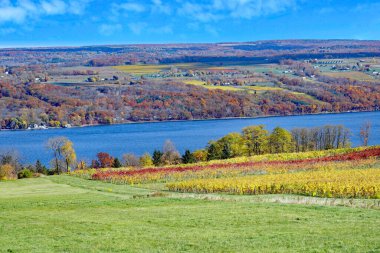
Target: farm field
[[355, 75], [312, 166], [141, 69], [70, 214], [258, 89], [212, 87]]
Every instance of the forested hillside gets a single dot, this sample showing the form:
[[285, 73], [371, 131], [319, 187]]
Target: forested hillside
[[80, 86]]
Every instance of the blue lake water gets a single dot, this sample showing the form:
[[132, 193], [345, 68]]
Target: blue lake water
[[145, 137]]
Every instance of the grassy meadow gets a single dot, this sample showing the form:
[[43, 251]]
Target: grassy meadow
[[173, 209], [69, 214]]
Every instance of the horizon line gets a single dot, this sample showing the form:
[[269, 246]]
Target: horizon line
[[166, 43]]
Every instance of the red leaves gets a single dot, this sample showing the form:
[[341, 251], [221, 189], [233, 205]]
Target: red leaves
[[356, 155]]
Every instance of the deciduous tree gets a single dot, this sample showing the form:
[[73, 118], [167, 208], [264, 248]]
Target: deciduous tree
[[170, 153], [256, 138], [68, 154], [131, 160], [63, 153], [365, 131], [280, 141], [105, 160]]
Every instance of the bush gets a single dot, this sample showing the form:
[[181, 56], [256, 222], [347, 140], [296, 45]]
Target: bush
[[7, 172], [25, 173], [146, 160]]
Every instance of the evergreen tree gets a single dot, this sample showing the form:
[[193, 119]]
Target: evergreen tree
[[213, 152], [157, 157], [226, 152], [41, 168], [116, 163], [188, 157]]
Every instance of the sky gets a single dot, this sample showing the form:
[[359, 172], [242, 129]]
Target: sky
[[99, 22]]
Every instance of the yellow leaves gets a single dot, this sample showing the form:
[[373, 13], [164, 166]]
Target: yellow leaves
[[351, 183], [7, 172]]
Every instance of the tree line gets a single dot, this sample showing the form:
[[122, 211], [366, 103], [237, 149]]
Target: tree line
[[252, 140]]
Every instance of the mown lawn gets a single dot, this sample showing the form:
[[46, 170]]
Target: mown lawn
[[66, 214]]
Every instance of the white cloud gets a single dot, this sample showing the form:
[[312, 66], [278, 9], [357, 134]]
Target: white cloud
[[211, 30], [137, 27], [326, 10], [135, 7], [12, 14], [54, 7], [5, 31], [109, 29], [78, 7], [166, 29], [28, 5], [199, 12], [255, 8], [158, 6], [24, 10], [366, 7], [216, 10]]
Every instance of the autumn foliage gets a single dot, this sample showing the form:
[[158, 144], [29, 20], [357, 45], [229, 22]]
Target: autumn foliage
[[316, 173]]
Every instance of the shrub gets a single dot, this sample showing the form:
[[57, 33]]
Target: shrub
[[25, 173], [7, 172], [146, 160]]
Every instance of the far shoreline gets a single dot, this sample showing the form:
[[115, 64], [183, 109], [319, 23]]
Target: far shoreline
[[190, 120]]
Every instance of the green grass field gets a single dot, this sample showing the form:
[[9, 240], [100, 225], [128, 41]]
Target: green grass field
[[354, 75], [69, 214], [142, 69]]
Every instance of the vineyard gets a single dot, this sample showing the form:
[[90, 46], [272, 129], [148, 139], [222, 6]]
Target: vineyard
[[342, 173], [351, 183]]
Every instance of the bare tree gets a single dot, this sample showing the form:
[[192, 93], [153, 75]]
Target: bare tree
[[63, 153], [170, 153], [130, 160], [365, 131]]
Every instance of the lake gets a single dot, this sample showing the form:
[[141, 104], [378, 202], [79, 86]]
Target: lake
[[139, 138]]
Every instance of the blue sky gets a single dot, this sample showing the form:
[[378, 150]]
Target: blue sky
[[91, 22]]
